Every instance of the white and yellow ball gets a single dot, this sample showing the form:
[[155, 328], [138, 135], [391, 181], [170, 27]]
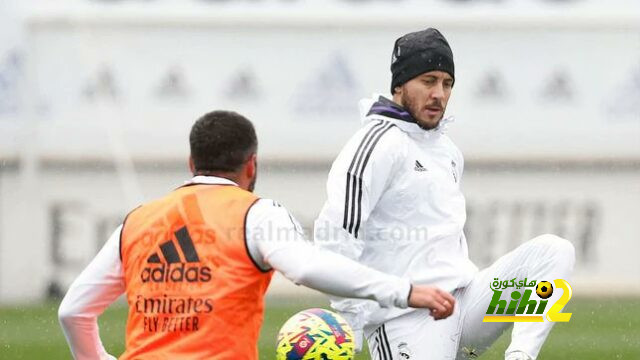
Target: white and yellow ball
[[315, 334]]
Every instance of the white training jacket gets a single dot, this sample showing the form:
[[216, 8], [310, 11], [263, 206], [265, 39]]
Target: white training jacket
[[394, 204], [274, 241]]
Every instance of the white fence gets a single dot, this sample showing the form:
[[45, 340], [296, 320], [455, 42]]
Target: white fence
[[50, 231]]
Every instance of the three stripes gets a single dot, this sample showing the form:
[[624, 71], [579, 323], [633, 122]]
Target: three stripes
[[383, 349], [170, 252], [353, 193]]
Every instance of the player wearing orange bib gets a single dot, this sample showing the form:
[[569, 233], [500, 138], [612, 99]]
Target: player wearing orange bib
[[196, 263], [193, 277]]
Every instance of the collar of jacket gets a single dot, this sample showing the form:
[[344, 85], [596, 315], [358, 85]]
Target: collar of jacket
[[208, 180], [381, 108]]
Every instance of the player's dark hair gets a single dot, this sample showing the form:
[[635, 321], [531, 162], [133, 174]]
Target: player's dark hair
[[221, 141]]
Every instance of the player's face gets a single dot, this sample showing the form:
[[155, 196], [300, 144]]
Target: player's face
[[426, 97]]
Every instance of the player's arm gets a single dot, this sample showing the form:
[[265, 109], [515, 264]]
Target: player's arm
[[276, 241], [99, 285]]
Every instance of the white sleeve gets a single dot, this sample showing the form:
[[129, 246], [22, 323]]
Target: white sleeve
[[357, 180], [99, 285], [276, 241]]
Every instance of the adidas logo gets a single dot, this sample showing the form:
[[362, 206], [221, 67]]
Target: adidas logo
[[173, 269], [419, 167]]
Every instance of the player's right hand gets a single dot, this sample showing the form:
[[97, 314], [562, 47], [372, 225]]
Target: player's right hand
[[440, 302]]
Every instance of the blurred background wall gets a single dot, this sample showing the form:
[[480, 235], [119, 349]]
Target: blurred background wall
[[97, 98]]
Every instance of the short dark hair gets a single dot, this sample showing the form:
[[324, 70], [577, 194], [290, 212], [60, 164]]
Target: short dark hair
[[222, 141]]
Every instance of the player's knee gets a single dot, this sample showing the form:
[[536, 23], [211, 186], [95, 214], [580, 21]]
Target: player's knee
[[65, 312], [560, 248]]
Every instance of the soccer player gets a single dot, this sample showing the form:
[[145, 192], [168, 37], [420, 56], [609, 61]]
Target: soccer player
[[395, 204], [196, 263]]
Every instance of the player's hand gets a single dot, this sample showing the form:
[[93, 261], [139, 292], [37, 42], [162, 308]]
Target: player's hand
[[440, 302]]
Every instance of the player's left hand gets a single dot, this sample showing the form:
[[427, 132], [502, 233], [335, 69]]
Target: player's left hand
[[440, 302]]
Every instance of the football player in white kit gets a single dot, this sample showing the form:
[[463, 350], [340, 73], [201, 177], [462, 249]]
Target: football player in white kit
[[395, 204]]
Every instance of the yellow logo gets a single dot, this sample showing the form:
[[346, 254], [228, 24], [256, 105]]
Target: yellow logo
[[544, 289], [521, 302]]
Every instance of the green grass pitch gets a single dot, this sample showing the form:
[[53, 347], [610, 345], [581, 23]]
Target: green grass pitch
[[599, 329]]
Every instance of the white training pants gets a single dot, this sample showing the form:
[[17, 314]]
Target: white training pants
[[463, 335]]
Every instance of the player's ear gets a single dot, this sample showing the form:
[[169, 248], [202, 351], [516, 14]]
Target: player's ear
[[397, 94], [192, 166], [251, 166]]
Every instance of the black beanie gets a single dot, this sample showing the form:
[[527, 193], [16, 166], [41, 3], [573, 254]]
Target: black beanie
[[420, 52]]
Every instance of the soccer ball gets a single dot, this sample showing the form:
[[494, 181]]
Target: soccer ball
[[315, 334], [544, 289]]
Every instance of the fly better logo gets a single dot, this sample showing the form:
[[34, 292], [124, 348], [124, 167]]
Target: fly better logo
[[173, 269]]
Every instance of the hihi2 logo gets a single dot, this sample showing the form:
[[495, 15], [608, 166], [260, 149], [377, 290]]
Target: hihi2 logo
[[521, 302], [174, 269]]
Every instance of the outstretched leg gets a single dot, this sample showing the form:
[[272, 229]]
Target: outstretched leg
[[546, 257]]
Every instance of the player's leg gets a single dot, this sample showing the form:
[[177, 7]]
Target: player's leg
[[545, 257], [476, 337], [415, 335]]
